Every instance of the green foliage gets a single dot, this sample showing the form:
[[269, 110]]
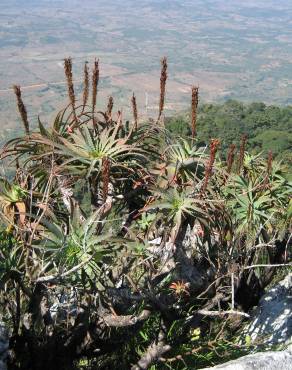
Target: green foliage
[[257, 198], [178, 126], [10, 258], [267, 127], [116, 235]]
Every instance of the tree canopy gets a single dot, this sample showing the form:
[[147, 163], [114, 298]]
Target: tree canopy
[[267, 127]]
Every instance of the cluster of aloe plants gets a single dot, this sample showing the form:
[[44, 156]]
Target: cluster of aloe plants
[[119, 241]]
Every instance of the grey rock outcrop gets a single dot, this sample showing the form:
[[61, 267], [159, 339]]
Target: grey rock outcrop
[[272, 321], [271, 360], [271, 325], [4, 343]]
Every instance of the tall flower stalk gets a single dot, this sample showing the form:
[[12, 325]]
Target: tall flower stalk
[[70, 85], [163, 78], [195, 101], [241, 152], [213, 150], [21, 108], [269, 169], [230, 157], [135, 111], [95, 81], [85, 86], [110, 106]]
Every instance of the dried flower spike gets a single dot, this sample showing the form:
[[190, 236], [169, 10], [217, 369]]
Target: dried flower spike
[[241, 152], [86, 85], [195, 101], [269, 169], [135, 111], [230, 157], [70, 86], [21, 108], [213, 150], [120, 118], [270, 162], [95, 81], [163, 78], [110, 105]]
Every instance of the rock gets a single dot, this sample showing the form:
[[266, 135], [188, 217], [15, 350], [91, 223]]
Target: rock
[[4, 344], [272, 321], [271, 325], [271, 360]]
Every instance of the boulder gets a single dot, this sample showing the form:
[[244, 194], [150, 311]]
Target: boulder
[[4, 344], [271, 325], [271, 322], [271, 360]]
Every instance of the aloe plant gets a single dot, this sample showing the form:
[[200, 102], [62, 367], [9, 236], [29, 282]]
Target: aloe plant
[[12, 201]]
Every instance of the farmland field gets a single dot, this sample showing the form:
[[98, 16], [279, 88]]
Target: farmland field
[[229, 48]]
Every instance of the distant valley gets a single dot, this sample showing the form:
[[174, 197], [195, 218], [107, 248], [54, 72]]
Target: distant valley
[[230, 49]]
